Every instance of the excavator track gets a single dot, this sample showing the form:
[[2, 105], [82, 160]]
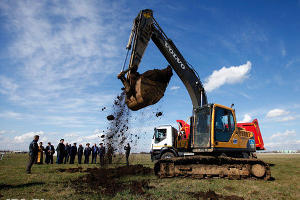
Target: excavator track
[[210, 166]]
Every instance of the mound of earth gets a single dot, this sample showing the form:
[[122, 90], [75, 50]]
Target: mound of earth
[[107, 180]]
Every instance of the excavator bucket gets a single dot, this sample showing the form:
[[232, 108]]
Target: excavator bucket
[[148, 88]]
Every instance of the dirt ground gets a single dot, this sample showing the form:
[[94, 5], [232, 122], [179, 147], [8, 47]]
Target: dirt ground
[[108, 181]]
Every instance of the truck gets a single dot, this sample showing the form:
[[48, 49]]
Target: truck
[[216, 146]]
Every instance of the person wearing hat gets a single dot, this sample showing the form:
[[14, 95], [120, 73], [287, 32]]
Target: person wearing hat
[[101, 154], [60, 149], [33, 152], [49, 151], [73, 153], [87, 153]]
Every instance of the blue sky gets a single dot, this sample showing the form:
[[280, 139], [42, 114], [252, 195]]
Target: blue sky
[[59, 61]]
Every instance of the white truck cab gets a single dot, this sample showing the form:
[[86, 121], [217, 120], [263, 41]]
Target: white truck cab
[[163, 139]]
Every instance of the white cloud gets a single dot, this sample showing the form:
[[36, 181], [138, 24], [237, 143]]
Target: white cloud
[[11, 114], [283, 135], [247, 118], [174, 88], [279, 115], [27, 136], [286, 118], [231, 75], [276, 113]]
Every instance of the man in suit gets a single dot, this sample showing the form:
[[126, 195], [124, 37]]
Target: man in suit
[[33, 152], [49, 151], [101, 154], [94, 153], [80, 153], [67, 153], [127, 149], [60, 149], [73, 153], [87, 153]]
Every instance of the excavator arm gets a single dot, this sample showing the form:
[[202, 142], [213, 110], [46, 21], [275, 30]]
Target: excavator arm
[[148, 88]]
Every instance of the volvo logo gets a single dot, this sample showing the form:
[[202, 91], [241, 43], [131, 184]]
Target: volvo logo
[[174, 55]]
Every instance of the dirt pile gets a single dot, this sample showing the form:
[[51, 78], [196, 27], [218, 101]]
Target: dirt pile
[[108, 180], [213, 196]]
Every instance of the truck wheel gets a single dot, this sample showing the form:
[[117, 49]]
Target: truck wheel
[[167, 155]]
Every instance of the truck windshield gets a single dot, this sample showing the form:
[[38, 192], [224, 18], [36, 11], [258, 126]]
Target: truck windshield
[[160, 135], [202, 128]]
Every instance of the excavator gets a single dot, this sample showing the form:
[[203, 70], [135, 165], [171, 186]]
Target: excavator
[[216, 146]]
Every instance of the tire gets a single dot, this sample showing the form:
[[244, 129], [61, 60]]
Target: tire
[[167, 155]]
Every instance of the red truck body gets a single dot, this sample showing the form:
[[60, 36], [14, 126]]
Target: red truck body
[[250, 126], [254, 128]]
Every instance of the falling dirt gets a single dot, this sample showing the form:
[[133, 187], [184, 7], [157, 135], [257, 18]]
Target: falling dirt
[[158, 114], [213, 196], [110, 117], [102, 109], [108, 180]]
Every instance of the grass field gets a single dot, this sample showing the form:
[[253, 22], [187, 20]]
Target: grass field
[[46, 182]]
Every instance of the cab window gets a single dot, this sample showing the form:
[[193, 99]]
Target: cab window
[[160, 135], [224, 124]]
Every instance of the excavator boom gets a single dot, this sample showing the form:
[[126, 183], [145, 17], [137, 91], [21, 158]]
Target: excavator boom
[[146, 89]]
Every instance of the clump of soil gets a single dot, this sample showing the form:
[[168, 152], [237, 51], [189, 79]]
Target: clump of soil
[[212, 195], [110, 117], [107, 180], [158, 114]]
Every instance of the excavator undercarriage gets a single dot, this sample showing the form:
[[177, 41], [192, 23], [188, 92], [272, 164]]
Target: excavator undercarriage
[[211, 166]]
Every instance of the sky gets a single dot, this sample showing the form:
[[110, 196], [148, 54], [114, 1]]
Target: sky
[[59, 61]]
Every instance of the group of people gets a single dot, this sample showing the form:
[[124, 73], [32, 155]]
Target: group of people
[[66, 153]]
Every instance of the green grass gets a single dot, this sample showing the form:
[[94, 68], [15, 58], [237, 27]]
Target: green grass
[[46, 183]]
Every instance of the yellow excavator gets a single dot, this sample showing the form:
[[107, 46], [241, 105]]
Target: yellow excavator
[[215, 147]]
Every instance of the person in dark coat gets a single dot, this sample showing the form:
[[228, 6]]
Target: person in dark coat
[[110, 152], [49, 151], [67, 152], [60, 149], [87, 153], [80, 153], [94, 153], [33, 152], [127, 149], [101, 154], [73, 153]]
